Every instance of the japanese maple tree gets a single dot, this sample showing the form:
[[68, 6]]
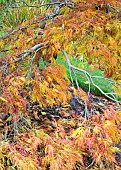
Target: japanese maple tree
[[30, 75]]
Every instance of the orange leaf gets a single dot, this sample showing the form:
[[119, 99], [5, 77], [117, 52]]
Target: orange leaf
[[50, 151]]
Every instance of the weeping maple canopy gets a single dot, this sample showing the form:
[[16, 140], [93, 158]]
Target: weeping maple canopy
[[77, 27], [31, 77]]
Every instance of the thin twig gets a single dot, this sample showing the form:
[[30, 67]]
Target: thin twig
[[90, 165]]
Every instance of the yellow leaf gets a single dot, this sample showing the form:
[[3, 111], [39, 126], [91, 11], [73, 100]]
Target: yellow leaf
[[29, 39], [66, 106], [43, 113], [77, 132], [72, 123], [36, 115], [115, 149], [101, 104], [96, 130], [1, 124], [9, 118], [91, 68], [22, 79], [1, 98]]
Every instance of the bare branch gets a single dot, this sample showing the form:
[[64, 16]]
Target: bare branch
[[58, 3], [89, 78], [34, 49], [28, 52]]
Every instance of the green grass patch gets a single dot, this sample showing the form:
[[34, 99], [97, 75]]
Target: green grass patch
[[1, 33]]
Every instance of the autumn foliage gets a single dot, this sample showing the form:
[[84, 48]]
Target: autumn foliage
[[39, 127]]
